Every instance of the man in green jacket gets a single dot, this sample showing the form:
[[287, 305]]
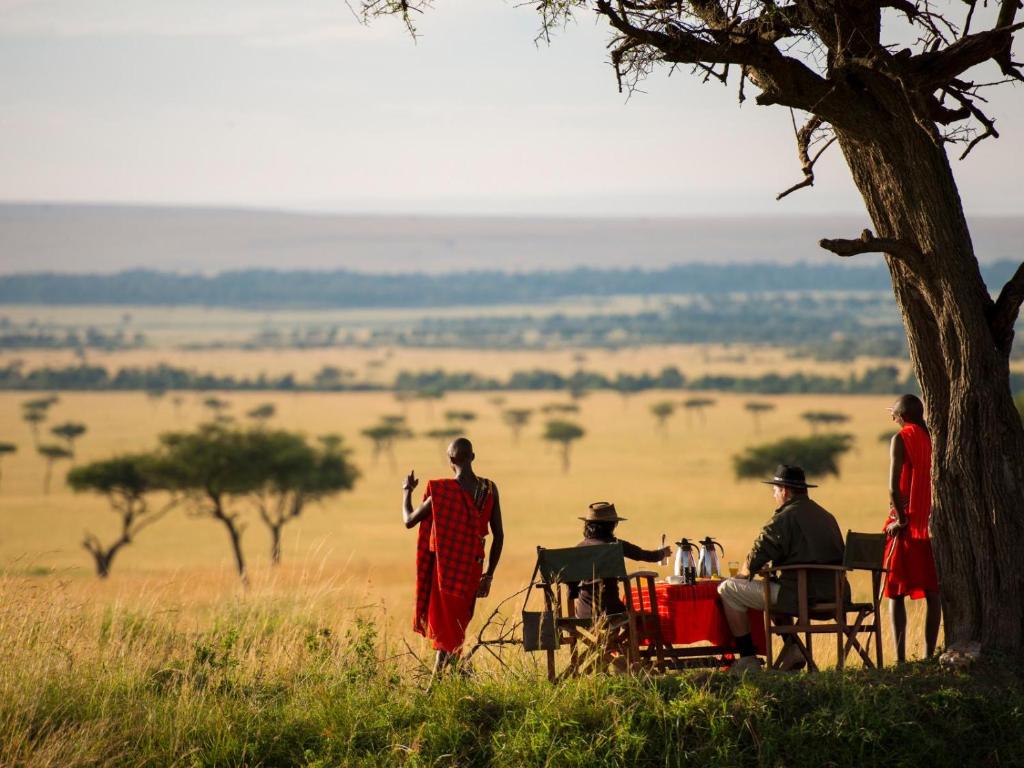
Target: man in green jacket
[[799, 532]]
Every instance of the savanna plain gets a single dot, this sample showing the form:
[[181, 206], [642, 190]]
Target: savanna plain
[[171, 661]]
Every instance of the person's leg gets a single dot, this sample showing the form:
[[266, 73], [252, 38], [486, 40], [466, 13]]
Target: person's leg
[[933, 617], [738, 596], [898, 616]]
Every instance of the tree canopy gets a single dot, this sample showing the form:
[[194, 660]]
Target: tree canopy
[[818, 456]]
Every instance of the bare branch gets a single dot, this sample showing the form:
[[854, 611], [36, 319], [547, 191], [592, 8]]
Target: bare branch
[[804, 138], [1005, 310], [936, 69], [868, 243]]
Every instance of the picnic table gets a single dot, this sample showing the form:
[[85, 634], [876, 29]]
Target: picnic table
[[692, 622]]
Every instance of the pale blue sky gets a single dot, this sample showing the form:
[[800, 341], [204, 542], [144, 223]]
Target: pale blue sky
[[295, 105]]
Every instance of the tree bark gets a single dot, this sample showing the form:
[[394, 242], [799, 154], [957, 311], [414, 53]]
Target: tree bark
[[907, 184], [275, 544]]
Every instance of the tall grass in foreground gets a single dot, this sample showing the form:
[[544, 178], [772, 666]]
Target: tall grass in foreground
[[263, 682]]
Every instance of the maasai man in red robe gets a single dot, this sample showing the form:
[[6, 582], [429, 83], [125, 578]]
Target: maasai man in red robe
[[908, 551], [450, 576]]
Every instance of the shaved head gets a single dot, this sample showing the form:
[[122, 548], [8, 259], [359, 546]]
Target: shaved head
[[460, 451], [909, 408]]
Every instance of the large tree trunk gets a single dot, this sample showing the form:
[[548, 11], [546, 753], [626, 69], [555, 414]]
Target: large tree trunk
[[978, 442]]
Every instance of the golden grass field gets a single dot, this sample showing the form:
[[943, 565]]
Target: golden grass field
[[353, 550]]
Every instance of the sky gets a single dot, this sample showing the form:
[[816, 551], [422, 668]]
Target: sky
[[293, 104]]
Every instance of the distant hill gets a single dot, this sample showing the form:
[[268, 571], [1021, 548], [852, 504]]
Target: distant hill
[[108, 239]]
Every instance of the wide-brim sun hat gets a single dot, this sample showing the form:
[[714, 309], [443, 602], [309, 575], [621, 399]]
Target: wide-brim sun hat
[[789, 476], [602, 512]]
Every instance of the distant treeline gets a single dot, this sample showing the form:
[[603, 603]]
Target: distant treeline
[[161, 378], [865, 325], [265, 289]]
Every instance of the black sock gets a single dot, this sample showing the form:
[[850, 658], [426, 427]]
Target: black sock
[[745, 645]]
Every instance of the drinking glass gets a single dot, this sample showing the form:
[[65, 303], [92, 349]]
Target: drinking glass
[[734, 568]]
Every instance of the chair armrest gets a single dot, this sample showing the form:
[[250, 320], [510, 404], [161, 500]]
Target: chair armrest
[[801, 567]]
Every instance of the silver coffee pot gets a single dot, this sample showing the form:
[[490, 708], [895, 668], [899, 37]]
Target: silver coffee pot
[[685, 565], [708, 564]]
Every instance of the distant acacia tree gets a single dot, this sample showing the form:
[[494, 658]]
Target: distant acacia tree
[[69, 432], [823, 419], [698, 405], [430, 395], [34, 413], [385, 435], [564, 433], [444, 435], [6, 448], [262, 413], [210, 467], [177, 402], [51, 453], [217, 407], [818, 455], [516, 419], [462, 417], [662, 412], [496, 400], [755, 409], [288, 474], [128, 482]]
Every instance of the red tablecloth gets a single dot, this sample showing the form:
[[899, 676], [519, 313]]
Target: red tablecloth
[[693, 613]]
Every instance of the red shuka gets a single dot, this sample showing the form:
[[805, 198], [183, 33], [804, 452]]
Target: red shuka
[[450, 560], [909, 554]]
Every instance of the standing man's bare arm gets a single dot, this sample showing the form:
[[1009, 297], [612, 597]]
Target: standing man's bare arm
[[411, 517], [896, 459], [497, 543]]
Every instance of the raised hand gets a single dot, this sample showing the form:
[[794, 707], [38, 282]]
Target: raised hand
[[410, 481]]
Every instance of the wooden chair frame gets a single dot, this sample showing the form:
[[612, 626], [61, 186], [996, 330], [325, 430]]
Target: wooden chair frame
[[593, 641], [833, 616]]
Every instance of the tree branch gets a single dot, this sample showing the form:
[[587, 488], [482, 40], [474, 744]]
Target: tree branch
[[868, 243], [782, 79], [804, 136], [936, 69], [1005, 310]]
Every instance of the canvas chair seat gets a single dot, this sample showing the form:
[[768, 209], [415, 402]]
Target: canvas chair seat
[[593, 642]]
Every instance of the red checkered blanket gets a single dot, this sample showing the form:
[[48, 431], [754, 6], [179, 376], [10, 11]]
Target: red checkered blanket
[[451, 539]]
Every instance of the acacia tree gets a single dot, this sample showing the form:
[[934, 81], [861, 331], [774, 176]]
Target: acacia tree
[[817, 455], [127, 482], [565, 433], [697, 405], [69, 432], [51, 453], [516, 419], [823, 418], [892, 109], [662, 412], [288, 474], [208, 467], [755, 408]]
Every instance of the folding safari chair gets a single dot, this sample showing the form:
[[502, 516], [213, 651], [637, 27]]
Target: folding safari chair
[[593, 642], [863, 551]]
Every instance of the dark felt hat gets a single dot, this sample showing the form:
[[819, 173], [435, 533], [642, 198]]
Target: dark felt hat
[[602, 511], [790, 477]]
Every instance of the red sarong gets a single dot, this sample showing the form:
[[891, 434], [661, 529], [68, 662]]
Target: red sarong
[[908, 555], [449, 561]]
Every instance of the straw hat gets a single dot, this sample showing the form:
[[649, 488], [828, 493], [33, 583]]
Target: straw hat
[[602, 511]]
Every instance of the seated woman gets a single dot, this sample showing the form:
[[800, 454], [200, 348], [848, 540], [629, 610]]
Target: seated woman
[[602, 596]]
